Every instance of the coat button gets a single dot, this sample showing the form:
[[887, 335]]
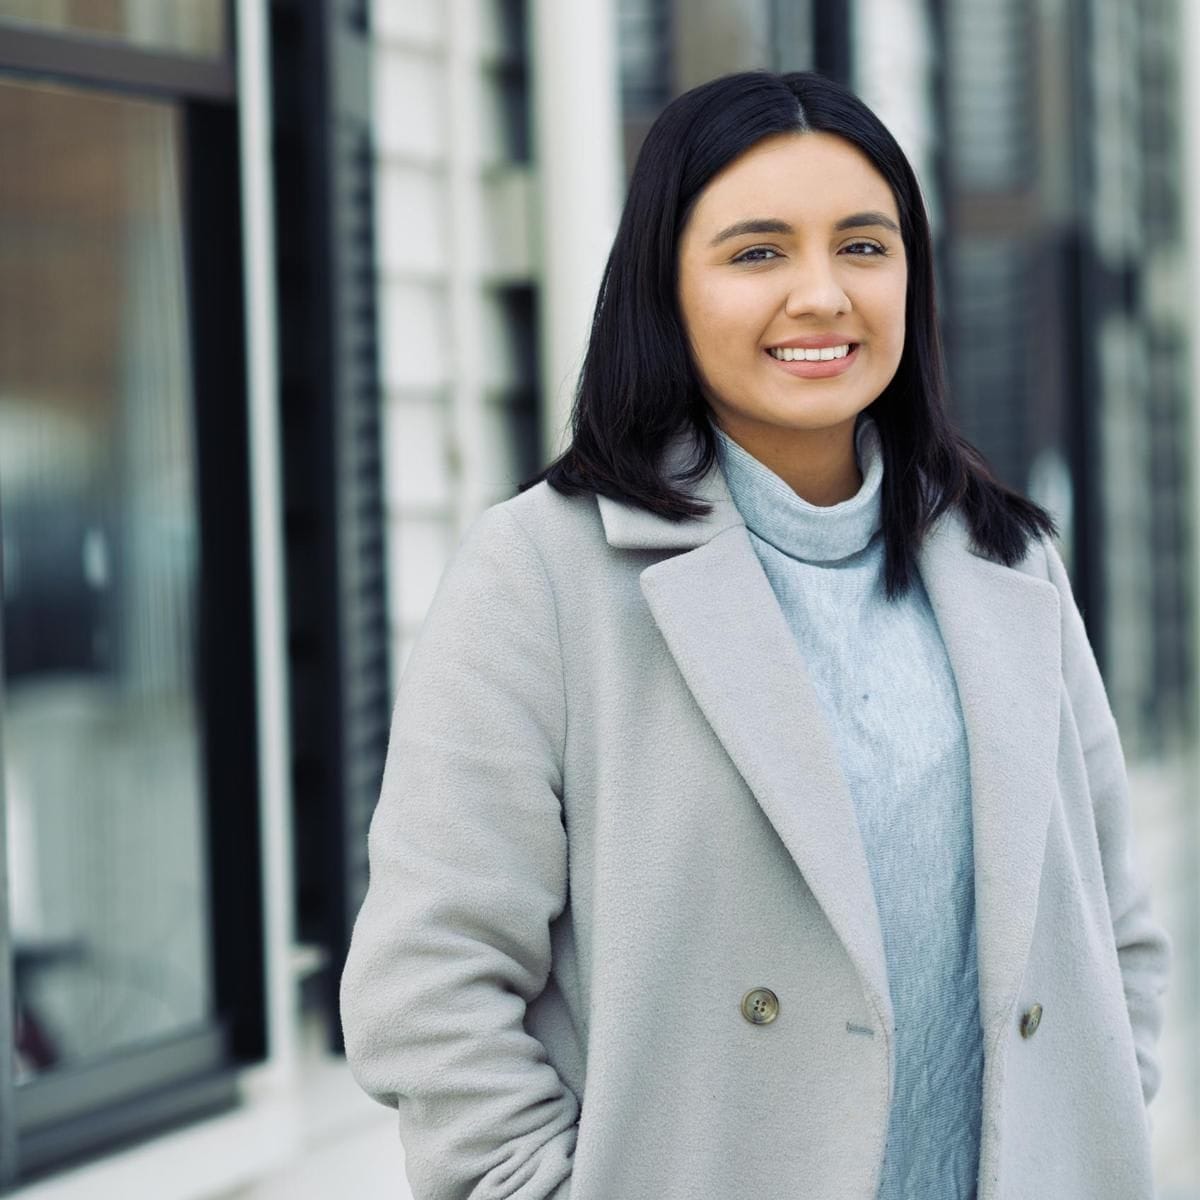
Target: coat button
[[1031, 1020], [760, 1006]]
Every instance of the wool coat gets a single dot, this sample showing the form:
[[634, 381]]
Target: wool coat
[[620, 940]]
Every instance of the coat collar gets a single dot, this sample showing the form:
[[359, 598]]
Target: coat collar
[[630, 528], [1001, 628]]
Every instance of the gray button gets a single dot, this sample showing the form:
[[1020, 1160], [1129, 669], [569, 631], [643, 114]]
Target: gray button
[[1030, 1020], [760, 1006]]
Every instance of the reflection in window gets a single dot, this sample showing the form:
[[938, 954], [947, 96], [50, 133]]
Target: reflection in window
[[189, 26], [102, 761]]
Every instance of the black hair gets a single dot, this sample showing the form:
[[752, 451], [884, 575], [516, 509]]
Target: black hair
[[638, 386]]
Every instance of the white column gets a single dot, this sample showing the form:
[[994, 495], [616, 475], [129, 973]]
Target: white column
[[465, 265], [577, 148], [1177, 1160], [893, 70], [266, 537], [1190, 18], [1190, 87]]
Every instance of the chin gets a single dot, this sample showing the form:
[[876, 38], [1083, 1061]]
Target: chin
[[795, 409], [811, 412]]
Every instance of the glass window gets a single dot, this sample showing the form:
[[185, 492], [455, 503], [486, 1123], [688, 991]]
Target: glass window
[[189, 26], [98, 517]]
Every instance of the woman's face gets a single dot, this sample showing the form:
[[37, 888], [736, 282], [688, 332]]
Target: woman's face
[[796, 242]]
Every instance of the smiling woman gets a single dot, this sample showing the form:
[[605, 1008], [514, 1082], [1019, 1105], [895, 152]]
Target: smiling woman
[[793, 337], [769, 213], [754, 820]]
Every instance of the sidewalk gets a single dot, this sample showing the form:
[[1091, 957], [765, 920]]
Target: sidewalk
[[348, 1147], [351, 1147]]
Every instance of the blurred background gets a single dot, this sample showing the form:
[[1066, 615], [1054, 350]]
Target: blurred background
[[289, 292]]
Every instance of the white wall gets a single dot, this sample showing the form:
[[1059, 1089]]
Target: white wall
[[460, 218], [454, 218], [893, 67]]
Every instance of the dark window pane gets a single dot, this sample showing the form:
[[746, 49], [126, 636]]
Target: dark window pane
[[102, 746]]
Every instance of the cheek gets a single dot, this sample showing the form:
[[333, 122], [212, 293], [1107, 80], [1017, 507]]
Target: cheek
[[887, 312], [722, 319]]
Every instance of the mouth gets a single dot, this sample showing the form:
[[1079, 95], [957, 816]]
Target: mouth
[[828, 361]]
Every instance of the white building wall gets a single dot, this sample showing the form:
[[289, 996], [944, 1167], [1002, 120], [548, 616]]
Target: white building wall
[[414, 241], [577, 122], [893, 73], [463, 218]]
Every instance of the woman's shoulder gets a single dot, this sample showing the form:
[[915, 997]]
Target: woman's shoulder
[[1035, 553], [561, 529], [522, 552]]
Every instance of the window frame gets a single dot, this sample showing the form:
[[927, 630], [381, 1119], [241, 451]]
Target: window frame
[[81, 1109]]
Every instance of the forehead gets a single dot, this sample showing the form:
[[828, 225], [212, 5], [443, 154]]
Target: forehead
[[802, 177]]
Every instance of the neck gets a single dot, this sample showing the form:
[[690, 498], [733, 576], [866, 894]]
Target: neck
[[819, 465]]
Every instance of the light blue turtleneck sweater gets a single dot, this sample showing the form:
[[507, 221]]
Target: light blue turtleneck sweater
[[881, 671]]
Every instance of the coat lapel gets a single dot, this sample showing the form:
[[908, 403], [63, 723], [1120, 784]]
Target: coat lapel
[[719, 617], [1001, 629]]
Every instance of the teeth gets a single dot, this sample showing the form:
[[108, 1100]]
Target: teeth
[[789, 354]]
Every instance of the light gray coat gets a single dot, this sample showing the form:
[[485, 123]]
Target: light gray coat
[[612, 807]]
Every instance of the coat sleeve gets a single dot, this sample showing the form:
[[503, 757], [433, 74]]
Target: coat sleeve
[[1144, 948], [468, 867]]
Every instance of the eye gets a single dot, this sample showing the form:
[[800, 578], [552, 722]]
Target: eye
[[876, 250], [745, 254]]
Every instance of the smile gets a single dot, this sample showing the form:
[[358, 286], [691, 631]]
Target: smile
[[797, 354], [827, 361]]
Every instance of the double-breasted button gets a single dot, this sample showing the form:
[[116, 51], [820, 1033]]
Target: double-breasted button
[[1030, 1020], [760, 1006]]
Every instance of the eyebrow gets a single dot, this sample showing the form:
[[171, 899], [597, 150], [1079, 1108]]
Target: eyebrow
[[774, 225]]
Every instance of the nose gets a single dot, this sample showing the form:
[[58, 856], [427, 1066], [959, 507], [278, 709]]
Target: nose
[[815, 290]]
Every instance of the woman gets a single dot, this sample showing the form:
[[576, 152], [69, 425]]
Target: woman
[[755, 823]]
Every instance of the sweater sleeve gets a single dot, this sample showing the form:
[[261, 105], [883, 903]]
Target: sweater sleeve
[[468, 867], [1143, 947]]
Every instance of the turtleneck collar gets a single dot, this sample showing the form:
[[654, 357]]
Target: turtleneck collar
[[773, 511]]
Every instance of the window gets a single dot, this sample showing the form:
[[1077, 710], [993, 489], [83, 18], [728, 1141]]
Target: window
[[127, 746]]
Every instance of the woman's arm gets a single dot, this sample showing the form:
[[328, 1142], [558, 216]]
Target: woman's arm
[[1143, 946], [468, 867]]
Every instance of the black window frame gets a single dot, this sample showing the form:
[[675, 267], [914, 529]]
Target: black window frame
[[80, 1110], [335, 518]]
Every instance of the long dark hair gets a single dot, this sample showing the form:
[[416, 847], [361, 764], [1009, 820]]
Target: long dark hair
[[638, 386]]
